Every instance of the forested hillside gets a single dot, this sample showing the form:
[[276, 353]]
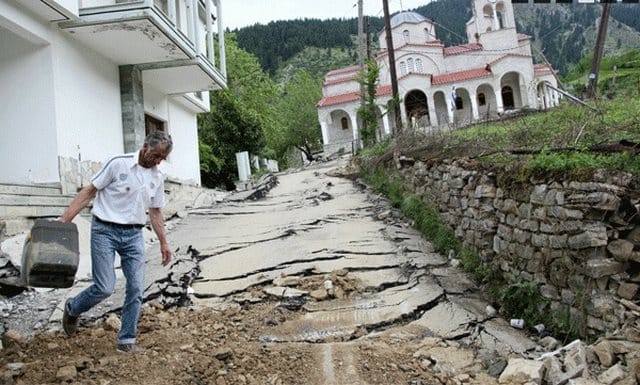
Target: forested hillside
[[565, 33], [275, 43]]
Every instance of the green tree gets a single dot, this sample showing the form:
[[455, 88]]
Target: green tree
[[228, 128], [368, 111], [239, 117], [299, 117]]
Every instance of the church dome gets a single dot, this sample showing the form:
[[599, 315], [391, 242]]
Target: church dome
[[407, 17]]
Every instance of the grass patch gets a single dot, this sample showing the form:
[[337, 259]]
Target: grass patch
[[563, 138]]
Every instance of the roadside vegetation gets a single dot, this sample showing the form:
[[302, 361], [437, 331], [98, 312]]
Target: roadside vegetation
[[567, 140], [257, 115], [520, 299]]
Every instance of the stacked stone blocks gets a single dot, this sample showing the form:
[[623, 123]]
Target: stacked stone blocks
[[579, 240]]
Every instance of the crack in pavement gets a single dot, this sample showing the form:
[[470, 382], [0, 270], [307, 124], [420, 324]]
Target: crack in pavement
[[272, 268]]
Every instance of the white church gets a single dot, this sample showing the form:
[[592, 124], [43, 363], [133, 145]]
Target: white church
[[441, 87]]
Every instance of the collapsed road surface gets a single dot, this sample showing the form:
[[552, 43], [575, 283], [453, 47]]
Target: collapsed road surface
[[319, 282]]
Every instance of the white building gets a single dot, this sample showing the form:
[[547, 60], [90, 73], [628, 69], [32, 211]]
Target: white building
[[441, 86], [83, 80]]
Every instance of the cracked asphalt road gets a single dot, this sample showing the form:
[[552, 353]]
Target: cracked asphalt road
[[320, 282]]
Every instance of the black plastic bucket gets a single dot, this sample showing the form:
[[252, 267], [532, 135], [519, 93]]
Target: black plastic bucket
[[51, 254]]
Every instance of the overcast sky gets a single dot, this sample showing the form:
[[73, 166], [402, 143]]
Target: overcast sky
[[240, 13]]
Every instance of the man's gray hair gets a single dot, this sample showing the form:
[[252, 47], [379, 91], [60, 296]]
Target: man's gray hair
[[158, 137]]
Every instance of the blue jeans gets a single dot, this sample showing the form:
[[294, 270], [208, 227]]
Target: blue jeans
[[128, 242]]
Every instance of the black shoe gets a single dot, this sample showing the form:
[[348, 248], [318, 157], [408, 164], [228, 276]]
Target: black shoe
[[130, 348], [69, 322]]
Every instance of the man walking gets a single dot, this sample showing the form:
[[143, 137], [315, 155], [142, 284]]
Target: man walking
[[123, 189]]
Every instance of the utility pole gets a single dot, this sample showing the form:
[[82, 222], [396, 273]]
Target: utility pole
[[361, 55], [392, 69], [367, 26], [597, 55], [360, 33]]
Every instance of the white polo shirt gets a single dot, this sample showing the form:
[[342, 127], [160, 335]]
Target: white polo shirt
[[126, 190]]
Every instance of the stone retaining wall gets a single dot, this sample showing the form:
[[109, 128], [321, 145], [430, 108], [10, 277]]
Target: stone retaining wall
[[579, 240]]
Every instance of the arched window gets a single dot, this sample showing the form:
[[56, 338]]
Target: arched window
[[459, 104], [419, 65], [410, 67], [507, 98], [405, 35], [152, 124], [427, 35], [345, 123], [500, 20], [403, 68], [481, 99]]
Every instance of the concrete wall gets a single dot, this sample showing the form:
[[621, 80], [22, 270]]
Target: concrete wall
[[184, 163], [59, 99], [27, 125], [580, 241], [341, 88], [88, 107]]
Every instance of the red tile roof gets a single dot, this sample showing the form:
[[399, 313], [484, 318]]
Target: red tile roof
[[344, 70], [351, 97], [338, 99], [415, 74], [458, 49], [460, 75], [508, 55], [383, 90], [541, 69], [432, 43], [340, 80]]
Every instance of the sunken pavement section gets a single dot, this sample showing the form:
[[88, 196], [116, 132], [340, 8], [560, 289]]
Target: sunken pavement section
[[324, 245]]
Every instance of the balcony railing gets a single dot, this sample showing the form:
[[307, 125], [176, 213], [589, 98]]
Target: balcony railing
[[191, 19], [171, 41]]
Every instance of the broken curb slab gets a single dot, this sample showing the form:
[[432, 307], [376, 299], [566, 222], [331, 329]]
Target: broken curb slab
[[340, 319]]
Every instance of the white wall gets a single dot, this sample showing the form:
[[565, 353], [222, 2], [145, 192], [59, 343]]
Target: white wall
[[156, 104], [88, 106], [66, 99], [28, 150], [184, 161], [181, 122], [341, 88]]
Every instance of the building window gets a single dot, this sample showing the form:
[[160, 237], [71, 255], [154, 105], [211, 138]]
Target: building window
[[152, 124], [410, 65], [345, 123], [459, 105], [507, 98], [419, 65], [403, 68], [405, 35], [481, 99]]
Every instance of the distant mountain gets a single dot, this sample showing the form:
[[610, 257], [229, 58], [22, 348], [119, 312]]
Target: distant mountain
[[564, 33]]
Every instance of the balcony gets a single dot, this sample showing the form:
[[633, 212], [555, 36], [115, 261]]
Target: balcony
[[172, 41]]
